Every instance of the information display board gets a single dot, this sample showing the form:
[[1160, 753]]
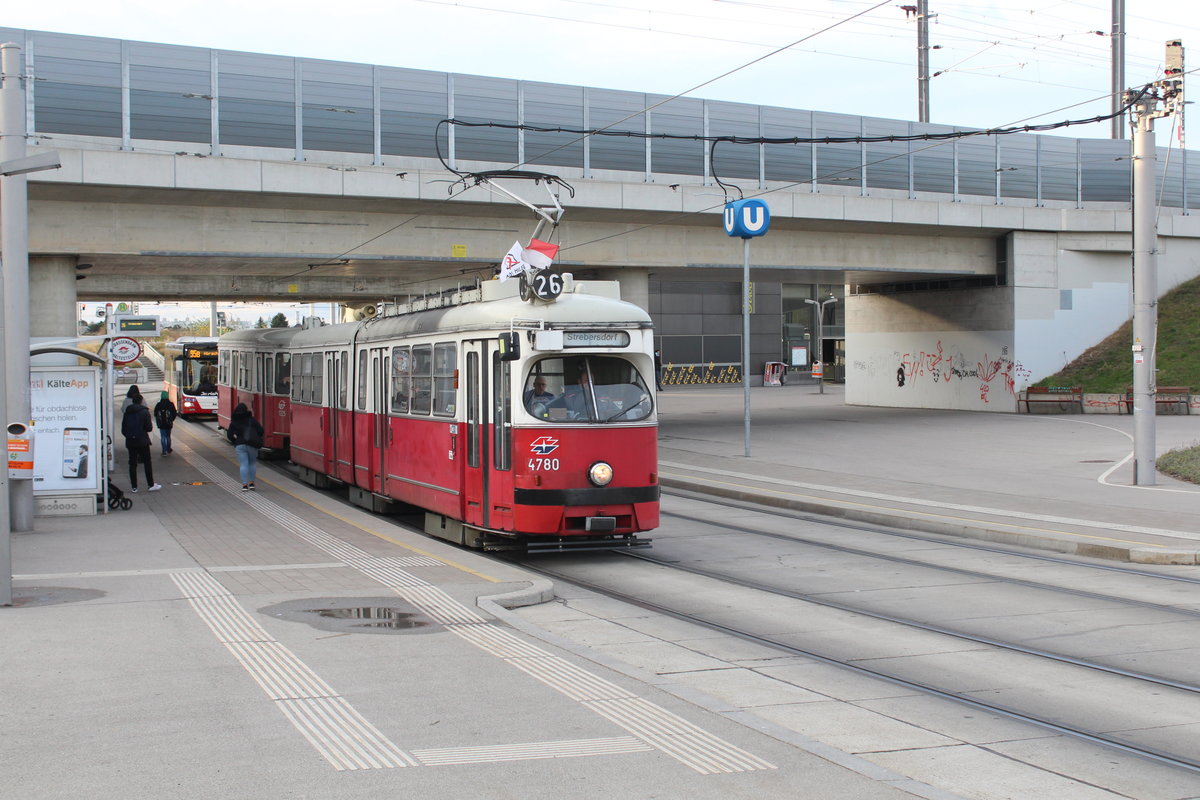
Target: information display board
[[67, 452]]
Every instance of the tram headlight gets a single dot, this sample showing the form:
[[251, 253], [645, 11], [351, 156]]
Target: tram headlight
[[600, 473]]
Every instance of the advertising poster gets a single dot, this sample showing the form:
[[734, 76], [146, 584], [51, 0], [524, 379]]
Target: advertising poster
[[67, 451]]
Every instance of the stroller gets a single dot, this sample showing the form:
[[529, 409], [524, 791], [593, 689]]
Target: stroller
[[117, 498]]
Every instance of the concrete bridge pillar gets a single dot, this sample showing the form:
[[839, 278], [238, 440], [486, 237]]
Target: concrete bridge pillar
[[52, 298], [635, 283]]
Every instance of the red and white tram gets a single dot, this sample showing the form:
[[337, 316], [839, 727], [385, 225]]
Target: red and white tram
[[514, 423], [255, 368]]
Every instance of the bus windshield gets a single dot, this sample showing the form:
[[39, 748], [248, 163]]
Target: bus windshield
[[199, 376], [586, 389]]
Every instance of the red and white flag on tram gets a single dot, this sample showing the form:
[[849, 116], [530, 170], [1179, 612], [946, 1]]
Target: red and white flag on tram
[[512, 264], [539, 254]]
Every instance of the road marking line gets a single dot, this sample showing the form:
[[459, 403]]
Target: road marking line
[[574, 748], [325, 719]]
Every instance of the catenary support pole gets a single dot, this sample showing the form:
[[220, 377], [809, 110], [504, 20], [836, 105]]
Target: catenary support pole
[[1145, 295], [5, 528], [746, 340], [14, 248], [923, 60], [1117, 37]]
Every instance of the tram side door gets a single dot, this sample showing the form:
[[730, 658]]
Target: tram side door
[[487, 463], [476, 438], [381, 433], [340, 437], [330, 412], [258, 402]]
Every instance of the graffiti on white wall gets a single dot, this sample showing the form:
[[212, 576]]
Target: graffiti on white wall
[[938, 366], [967, 371]]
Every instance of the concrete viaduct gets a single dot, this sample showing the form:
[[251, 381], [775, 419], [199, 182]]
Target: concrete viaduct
[[951, 299]]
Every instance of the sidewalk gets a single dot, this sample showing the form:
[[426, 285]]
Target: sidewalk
[[1057, 482], [176, 649], [210, 643]]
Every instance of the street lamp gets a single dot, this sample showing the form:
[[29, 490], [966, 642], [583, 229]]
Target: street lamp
[[819, 307]]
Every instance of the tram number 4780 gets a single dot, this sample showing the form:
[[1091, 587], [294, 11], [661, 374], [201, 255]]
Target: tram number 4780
[[546, 464]]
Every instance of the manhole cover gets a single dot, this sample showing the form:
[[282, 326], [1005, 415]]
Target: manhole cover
[[355, 615], [34, 596]]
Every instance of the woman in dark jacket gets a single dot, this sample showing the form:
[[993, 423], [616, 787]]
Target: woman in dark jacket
[[247, 436], [136, 427]]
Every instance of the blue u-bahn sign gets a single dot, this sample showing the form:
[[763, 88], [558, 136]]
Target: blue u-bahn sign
[[747, 218]]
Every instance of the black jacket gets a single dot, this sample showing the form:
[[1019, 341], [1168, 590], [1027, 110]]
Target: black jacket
[[241, 423], [136, 426]]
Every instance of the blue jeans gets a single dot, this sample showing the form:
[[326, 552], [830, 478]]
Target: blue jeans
[[164, 436], [247, 462]]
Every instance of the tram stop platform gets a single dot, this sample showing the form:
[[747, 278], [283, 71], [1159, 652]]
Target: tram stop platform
[[281, 644]]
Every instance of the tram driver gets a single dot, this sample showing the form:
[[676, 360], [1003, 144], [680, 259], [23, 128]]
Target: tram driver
[[538, 399]]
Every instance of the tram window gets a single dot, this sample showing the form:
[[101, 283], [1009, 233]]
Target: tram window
[[233, 377], [343, 378], [298, 379], [223, 368], [473, 422], [401, 379], [422, 379], [362, 380], [318, 376], [501, 412], [283, 373], [588, 389], [268, 374], [445, 362]]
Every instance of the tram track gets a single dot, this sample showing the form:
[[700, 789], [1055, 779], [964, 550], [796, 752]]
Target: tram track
[[1030, 682], [1181, 693], [942, 539], [1046, 722]]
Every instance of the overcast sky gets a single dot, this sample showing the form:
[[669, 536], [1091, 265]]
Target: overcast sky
[[1001, 61]]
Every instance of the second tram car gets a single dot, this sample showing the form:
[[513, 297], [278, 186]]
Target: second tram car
[[514, 423], [190, 375], [255, 368]]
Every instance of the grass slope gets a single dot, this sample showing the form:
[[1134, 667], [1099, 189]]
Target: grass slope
[[1108, 367]]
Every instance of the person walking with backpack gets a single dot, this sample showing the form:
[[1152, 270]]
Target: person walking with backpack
[[164, 417], [246, 433], [136, 427]]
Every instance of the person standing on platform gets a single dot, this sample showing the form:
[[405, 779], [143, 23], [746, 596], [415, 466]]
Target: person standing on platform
[[136, 427], [133, 392], [658, 369], [246, 433], [164, 417]]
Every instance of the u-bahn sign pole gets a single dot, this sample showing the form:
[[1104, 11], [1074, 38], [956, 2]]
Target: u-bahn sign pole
[[746, 219]]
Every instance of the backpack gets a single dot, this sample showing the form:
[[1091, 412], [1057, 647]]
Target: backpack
[[135, 425], [164, 415], [253, 434]]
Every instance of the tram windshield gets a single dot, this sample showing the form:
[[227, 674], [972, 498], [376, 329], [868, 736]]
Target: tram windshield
[[586, 389]]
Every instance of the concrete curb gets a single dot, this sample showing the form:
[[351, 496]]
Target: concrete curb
[[981, 531]]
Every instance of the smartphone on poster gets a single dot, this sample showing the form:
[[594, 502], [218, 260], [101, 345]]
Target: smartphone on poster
[[75, 453]]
